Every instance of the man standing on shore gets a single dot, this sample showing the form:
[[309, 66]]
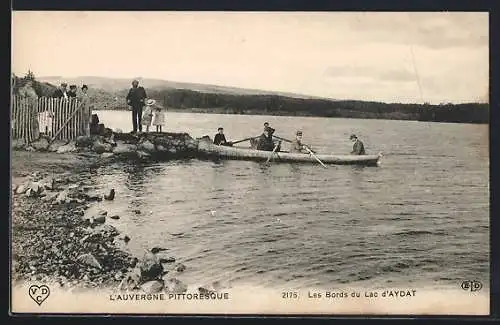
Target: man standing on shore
[[135, 98]]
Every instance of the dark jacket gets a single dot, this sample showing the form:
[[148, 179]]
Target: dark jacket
[[265, 143], [358, 148], [220, 139], [71, 94], [136, 96], [58, 93]]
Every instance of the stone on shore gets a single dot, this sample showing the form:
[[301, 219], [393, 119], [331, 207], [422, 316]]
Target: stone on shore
[[123, 237], [131, 281], [146, 146], [50, 196], [110, 196], [124, 148], [84, 141], [90, 260], [61, 197], [101, 147], [143, 155], [56, 144], [115, 217], [154, 286], [70, 147], [174, 285], [105, 155], [205, 290], [18, 144], [41, 144], [21, 189], [48, 183], [151, 268]]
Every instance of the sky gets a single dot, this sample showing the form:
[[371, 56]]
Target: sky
[[391, 57]]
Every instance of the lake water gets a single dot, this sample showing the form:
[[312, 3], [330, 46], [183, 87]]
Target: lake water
[[420, 218]]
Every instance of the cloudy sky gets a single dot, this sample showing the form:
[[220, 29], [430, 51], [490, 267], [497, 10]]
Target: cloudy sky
[[391, 57]]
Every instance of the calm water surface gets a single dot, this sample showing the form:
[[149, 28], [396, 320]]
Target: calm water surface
[[422, 217]]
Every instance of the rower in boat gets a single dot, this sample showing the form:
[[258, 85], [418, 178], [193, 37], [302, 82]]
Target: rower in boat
[[296, 146], [220, 138], [357, 148], [266, 142]]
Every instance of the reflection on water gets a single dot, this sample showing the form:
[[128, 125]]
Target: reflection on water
[[420, 217]]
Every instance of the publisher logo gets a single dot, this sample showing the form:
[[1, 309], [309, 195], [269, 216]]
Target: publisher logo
[[471, 285], [39, 293]]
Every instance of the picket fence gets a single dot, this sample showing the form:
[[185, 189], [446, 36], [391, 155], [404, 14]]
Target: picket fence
[[58, 118]]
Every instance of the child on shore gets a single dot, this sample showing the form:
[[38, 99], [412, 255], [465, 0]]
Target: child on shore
[[158, 118], [147, 115]]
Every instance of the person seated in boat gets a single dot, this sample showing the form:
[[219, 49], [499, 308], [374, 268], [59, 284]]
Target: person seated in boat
[[266, 142], [357, 148], [276, 143], [220, 138], [296, 146]]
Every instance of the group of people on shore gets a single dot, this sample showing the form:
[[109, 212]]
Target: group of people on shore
[[63, 92], [266, 142], [145, 112]]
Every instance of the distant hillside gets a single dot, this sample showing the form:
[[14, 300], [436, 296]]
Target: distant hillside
[[113, 85], [110, 93]]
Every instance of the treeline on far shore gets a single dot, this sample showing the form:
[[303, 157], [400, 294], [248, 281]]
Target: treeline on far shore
[[189, 100]]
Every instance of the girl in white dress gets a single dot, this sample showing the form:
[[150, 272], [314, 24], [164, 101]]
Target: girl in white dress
[[158, 118], [147, 114]]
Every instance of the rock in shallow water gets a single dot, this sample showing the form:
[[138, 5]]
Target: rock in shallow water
[[167, 259], [180, 267], [98, 219]]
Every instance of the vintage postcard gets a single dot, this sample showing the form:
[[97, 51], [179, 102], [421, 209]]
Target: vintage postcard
[[317, 163]]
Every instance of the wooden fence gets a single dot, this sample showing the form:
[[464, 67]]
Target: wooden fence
[[58, 118]]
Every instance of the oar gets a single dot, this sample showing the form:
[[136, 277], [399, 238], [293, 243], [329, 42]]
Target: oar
[[272, 153], [246, 139], [315, 157], [286, 140]]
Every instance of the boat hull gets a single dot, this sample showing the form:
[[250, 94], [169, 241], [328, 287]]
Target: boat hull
[[239, 153]]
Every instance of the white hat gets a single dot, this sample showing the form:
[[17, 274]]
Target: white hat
[[150, 102]]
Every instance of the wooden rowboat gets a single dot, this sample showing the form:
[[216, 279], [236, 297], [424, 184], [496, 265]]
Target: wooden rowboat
[[206, 147]]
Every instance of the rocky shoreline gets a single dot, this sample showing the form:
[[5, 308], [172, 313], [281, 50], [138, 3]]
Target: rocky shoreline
[[55, 241], [116, 145]]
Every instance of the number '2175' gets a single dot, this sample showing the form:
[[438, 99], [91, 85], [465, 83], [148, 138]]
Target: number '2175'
[[289, 295]]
